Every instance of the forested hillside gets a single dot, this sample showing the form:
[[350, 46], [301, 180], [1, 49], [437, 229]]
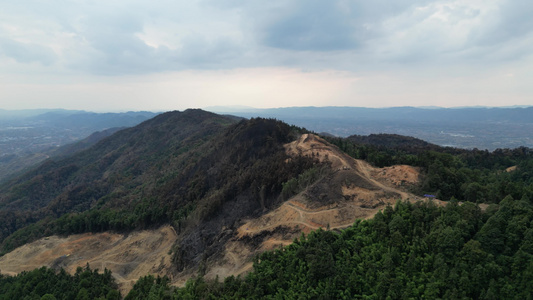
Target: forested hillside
[[194, 170], [48, 284], [411, 251], [475, 175], [205, 174], [113, 170]]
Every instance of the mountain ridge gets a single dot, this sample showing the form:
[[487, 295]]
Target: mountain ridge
[[225, 189], [179, 168], [351, 194]]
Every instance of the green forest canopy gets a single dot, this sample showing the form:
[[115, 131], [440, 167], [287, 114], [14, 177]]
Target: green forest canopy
[[408, 251], [411, 251]]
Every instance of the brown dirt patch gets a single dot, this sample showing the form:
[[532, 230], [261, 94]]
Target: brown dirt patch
[[127, 256], [399, 175], [314, 146], [352, 190], [511, 169]]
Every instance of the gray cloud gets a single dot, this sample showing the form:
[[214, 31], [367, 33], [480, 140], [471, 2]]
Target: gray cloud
[[128, 54], [113, 46], [27, 52], [199, 52], [512, 20], [315, 26], [142, 37]]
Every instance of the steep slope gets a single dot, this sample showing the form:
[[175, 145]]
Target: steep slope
[[199, 172], [127, 152], [128, 168], [127, 256], [85, 143], [231, 201], [344, 191]]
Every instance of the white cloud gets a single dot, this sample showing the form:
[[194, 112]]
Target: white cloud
[[27, 52]]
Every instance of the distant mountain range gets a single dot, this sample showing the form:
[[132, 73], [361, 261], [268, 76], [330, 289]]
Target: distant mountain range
[[469, 127], [30, 136]]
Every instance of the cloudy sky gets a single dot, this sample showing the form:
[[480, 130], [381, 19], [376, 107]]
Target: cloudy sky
[[118, 55]]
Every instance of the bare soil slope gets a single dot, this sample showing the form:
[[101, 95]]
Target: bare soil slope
[[351, 190], [127, 256]]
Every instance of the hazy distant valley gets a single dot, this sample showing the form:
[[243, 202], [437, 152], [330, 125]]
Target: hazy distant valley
[[30, 136], [23, 132], [481, 128]]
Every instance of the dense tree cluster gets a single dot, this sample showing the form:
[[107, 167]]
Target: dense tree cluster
[[149, 287], [411, 251], [472, 175], [48, 284]]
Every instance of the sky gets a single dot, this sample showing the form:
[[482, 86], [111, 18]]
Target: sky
[[158, 55]]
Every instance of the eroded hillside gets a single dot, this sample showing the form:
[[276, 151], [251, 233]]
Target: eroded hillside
[[225, 243], [352, 189], [127, 256]]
